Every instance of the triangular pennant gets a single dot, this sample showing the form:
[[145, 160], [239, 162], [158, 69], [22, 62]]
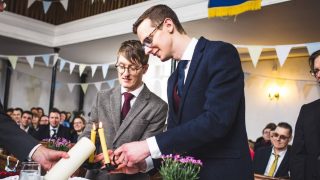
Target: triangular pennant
[[84, 87], [93, 69], [62, 64], [282, 53], [55, 58], [313, 47], [46, 6], [92, 1], [30, 2], [98, 85], [72, 65], [105, 68], [30, 60], [104, 1], [46, 59], [255, 52], [111, 83], [65, 4], [81, 68], [13, 60], [70, 86]]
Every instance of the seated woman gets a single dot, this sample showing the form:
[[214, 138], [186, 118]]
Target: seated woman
[[78, 124]]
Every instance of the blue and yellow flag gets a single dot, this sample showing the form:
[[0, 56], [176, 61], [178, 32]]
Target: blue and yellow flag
[[218, 8]]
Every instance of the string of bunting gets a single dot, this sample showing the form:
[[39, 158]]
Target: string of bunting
[[84, 86], [47, 3]]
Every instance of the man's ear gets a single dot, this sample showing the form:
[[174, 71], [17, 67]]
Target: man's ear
[[169, 25]]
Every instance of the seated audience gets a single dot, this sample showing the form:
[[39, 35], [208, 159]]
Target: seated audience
[[264, 141], [16, 115], [274, 160], [35, 122], [54, 129], [26, 122], [79, 123]]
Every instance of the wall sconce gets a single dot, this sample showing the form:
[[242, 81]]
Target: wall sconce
[[274, 92], [2, 6]]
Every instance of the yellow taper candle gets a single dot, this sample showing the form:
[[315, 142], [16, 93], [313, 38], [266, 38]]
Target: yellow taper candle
[[93, 140], [103, 144]]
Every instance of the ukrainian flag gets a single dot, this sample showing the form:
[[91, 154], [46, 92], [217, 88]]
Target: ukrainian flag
[[218, 8]]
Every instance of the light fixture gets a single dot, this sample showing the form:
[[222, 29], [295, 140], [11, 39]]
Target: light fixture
[[2, 6], [274, 92]]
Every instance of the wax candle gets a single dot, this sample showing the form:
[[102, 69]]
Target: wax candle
[[66, 167], [103, 144], [93, 140]]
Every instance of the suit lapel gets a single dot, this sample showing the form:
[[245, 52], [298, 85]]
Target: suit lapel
[[141, 101], [115, 102], [196, 59], [171, 82]]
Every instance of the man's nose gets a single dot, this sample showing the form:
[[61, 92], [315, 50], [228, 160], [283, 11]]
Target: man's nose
[[147, 50]]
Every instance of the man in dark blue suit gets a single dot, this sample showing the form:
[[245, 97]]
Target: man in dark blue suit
[[206, 101]]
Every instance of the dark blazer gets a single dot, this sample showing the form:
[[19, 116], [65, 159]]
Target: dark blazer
[[261, 159], [210, 124], [15, 140], [305, 160], [44, 132]]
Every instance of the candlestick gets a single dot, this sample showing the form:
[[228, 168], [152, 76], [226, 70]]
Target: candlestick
[[77, 155], [93, 140], [103, 144]]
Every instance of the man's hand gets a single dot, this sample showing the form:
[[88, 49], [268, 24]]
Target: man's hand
[[140, 167], [47, 157], [132, 153]]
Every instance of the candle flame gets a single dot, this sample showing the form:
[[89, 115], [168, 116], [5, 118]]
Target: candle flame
[[94, 126], [100, 124]]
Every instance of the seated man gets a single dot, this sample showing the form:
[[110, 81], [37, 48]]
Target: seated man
[[274, 160], [54, 129]]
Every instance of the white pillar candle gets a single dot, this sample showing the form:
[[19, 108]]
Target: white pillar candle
[[66, 167]]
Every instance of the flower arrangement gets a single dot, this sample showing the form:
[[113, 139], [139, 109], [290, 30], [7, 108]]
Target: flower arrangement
[[60, 144], [180, 168]]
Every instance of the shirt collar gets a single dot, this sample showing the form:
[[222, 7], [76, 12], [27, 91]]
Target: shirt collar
[[188, 52], [136, 92], [281, 153], [53, 127]]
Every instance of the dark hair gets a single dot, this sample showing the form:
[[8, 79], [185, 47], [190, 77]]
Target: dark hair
[[133, 51], [27, 112], [271, 126], [18, 109], [9, 110], [312, 58], [158, 14], [286, 126], [82, 119], [54, 110]]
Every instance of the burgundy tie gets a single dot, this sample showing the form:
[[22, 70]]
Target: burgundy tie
[[126, 105]]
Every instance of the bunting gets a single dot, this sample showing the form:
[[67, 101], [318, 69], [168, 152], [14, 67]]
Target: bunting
[[65, 4], [255, 52], [282, 53], [46, 6], [13, 60], [219, 8], [62, 64], [46, 59], [30, 2], [30, 60]]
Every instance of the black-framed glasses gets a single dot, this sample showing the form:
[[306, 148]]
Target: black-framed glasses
[[314, 72], [131, 69], [147, 42], [281, 137]]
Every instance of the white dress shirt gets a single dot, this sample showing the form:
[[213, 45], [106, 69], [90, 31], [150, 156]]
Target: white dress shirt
[[271, 159]]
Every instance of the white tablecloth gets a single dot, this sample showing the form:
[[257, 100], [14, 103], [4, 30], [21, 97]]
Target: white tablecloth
[[17, 178]]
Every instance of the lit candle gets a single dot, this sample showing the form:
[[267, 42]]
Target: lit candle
[[77, 155], [103, 144], [93, 140]]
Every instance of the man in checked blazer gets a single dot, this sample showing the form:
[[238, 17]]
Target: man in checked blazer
[[146, 116]]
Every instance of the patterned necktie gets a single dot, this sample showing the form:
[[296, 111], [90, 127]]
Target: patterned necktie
[[180, 83], [126, 105], [54, 134], [274, 165]]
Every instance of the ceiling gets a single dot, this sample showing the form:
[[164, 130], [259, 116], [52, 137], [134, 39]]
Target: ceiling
[[292, 22]]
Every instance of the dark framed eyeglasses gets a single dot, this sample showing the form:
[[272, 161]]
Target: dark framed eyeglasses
[[314, 72], [281, 137], [131, 69], [147, 42]]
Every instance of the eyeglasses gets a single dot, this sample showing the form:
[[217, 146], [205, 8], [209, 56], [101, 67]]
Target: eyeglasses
[[147, 42], [314, 72], [281, 137], [131, 69]]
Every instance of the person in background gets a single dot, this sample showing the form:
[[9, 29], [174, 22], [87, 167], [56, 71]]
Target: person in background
[[34, 110], [23, 146], [63, 119], [17, 114], [44, 120], [273, 160], [206, 101], [35, 122], [40, 111], [305, 159], [265, 141], [79, 123], [25, 119], [9, 111]]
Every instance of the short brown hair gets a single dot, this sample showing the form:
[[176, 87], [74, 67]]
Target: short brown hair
[[312, 58], [133, 51], [157, 14]]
